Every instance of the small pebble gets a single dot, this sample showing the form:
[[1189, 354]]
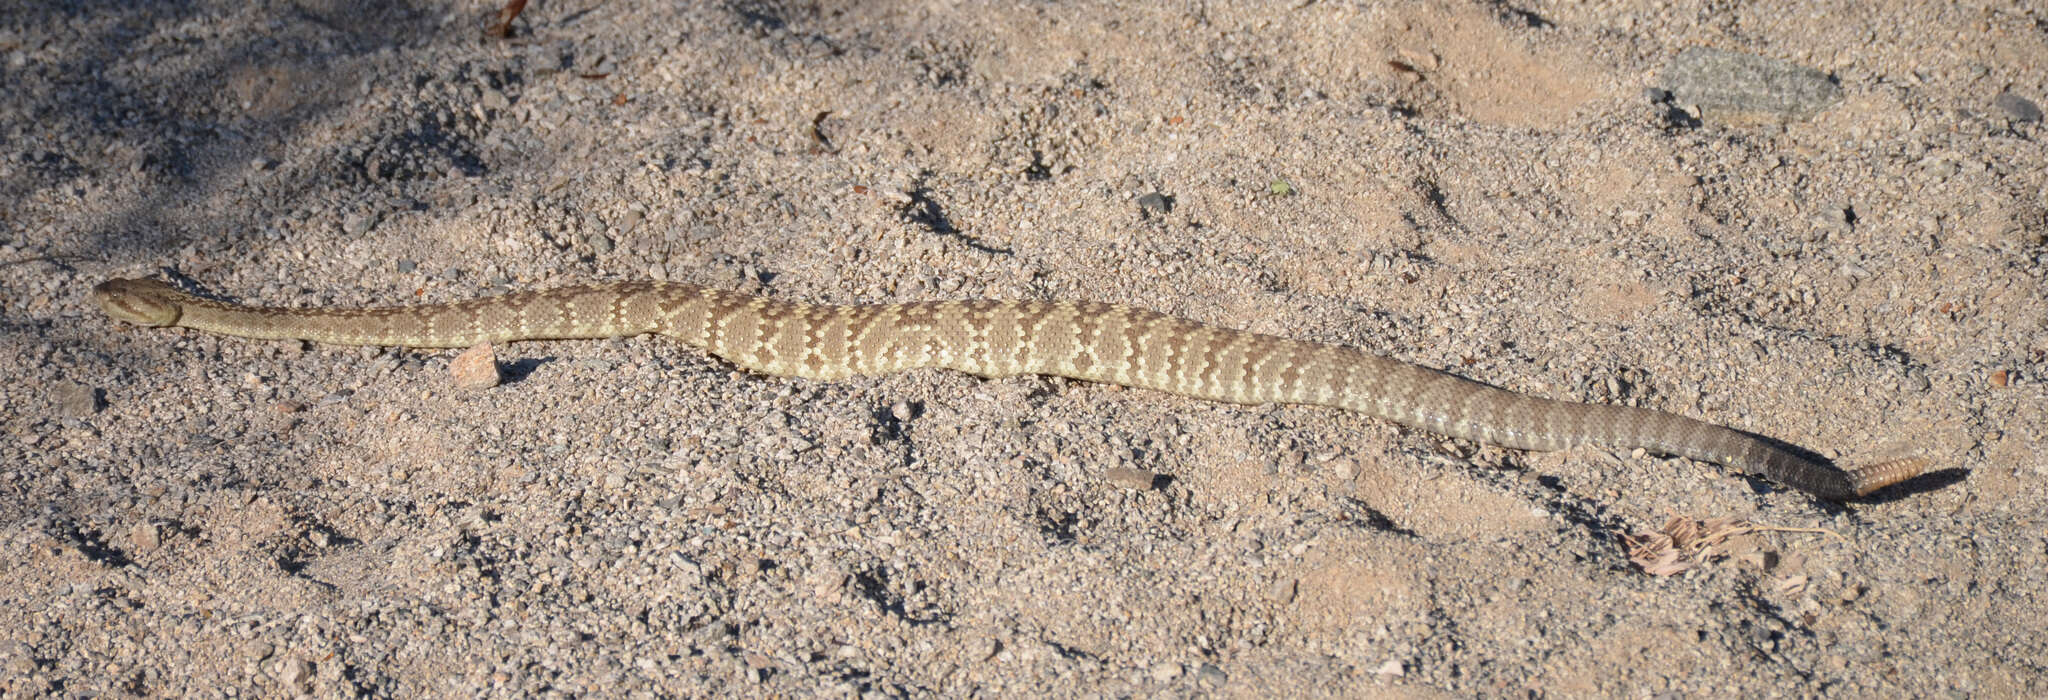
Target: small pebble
[[476, 368], [1133, 479], [144, 538], [1154, 204], [292, 672], [1284, 590], [359, 223]]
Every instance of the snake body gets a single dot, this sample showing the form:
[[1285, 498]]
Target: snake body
[[1082, 340]]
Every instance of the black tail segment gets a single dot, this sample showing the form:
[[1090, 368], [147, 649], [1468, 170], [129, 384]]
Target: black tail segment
[[1826, 481], [1829, 481]]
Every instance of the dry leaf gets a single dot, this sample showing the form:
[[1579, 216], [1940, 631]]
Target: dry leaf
[[503, 27], [1789, 585], [1684, 543]]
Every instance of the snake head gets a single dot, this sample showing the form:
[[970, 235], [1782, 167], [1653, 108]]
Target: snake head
[[147, 302]]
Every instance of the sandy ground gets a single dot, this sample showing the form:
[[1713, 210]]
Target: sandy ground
[[1516, 192]]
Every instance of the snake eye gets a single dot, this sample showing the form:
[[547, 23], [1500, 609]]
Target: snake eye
[[145, 302]]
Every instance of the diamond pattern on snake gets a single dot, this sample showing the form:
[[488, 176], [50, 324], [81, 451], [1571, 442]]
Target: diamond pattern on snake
[[1082, 340]]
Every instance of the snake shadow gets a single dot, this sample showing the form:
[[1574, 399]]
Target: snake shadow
[[1924, 483], [518, 370]]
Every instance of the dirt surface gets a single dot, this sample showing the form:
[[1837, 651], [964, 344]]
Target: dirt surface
[[1510, 191]]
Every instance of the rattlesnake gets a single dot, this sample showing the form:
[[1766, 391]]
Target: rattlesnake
[[1082, 340]]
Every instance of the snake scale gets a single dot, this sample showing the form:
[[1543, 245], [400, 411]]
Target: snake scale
[[1082, 340]]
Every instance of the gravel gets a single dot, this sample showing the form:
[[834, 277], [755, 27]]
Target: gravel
[[1856, 268]]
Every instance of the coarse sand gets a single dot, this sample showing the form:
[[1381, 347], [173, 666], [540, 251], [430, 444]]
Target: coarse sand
[[1820, 221]]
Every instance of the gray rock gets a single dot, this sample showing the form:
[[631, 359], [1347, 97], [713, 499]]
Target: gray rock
[[78, 400], [1155, 203], [1733, 86], [2017, 108], [359, 223]]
